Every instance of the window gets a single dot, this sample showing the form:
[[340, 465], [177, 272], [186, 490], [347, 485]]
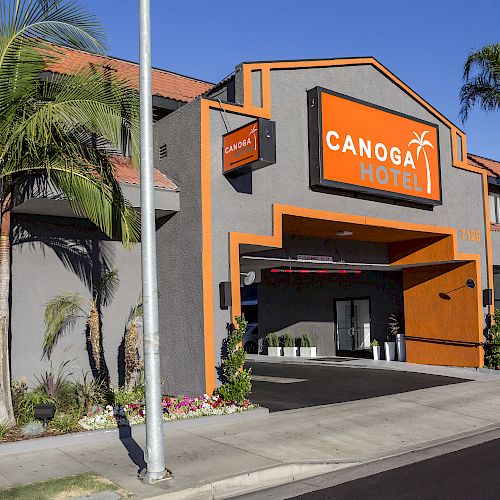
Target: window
[[494, 202]]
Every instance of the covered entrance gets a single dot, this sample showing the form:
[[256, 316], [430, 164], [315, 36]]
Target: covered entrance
[[338, 278]]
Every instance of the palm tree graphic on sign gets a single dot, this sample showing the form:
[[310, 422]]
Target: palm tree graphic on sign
[[421, 143], [253, 131]]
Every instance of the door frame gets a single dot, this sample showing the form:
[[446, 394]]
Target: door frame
[[335, 330]]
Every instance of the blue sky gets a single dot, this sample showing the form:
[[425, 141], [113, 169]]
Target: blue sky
[[424, 42]]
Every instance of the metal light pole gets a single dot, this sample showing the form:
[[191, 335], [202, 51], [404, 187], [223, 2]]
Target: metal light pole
[[154, 454]]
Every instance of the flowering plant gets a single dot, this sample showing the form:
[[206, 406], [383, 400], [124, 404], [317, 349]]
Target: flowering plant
[[174, 408]]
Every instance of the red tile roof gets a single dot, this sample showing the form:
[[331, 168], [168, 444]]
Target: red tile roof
[[165, 84], [491, 166], [126, 174]]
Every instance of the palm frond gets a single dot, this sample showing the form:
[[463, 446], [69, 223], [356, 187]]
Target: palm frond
[[84, 105], [61, 314], [486, 60], [91, 192], [135, 311], [483, 87], [478, 91], [107, 286]]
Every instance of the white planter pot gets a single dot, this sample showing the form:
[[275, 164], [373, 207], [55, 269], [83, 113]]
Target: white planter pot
[[376, 352], [401, 346], [308, 352], [390, 351], [274, 351], [290, 351]]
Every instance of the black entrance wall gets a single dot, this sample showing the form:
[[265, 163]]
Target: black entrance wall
[[299, 303]]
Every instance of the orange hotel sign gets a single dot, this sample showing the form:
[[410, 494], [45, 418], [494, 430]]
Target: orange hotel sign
[[359, 147], [249, 147]]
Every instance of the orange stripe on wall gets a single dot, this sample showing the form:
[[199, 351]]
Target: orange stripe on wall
[[207, 263]]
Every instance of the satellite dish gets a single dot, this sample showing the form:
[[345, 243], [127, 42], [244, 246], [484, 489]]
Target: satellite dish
[[249, 277]]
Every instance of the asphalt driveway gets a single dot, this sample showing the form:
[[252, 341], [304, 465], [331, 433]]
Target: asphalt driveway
[[280, 386]]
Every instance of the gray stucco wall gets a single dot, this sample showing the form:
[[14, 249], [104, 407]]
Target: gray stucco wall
[[52, 255], [291, 303], [287, 182], [495, 247], [179, 243]]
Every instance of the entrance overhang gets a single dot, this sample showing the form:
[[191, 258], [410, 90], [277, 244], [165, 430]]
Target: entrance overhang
[[441, 328]]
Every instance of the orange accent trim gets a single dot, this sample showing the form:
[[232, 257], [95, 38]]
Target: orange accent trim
[[207, 261]]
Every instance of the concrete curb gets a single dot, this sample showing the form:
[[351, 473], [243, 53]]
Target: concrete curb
[[47, 443], [254, 481]]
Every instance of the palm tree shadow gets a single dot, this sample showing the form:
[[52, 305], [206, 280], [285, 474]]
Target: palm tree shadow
[[75, 244]]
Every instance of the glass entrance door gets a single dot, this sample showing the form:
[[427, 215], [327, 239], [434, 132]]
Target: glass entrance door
[[353, 324]]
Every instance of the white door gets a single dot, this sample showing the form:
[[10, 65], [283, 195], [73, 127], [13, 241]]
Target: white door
[[353, 324]]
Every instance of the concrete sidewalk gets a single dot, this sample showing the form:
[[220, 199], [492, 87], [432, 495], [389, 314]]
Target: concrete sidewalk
[[228, 458]]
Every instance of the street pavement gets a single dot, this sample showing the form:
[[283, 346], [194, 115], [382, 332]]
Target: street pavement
[[467, 474], [220, 458]]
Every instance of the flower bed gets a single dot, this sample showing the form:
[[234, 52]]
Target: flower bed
[[174, 408]]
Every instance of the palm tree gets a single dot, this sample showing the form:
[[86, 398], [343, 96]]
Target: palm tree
[[131, 344], [421, 143], [482, 88], [47, 127], [64, 311]]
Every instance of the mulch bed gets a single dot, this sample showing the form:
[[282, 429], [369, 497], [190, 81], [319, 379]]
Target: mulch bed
[[15, 434]]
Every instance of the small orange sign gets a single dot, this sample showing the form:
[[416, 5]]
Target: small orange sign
[[241, 147], [367, 148]]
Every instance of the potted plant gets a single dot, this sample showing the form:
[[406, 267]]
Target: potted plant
[[273, 345], [390, 344], [306, 348], [395, 327], [375, 349], [289, 348]]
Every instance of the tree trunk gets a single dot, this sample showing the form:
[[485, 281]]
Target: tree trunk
[[131, 342], [6, 411], [95, 336]]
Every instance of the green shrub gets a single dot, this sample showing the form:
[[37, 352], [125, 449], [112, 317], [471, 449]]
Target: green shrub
[[273, 340], [305, 340], [237, 383], [51, 381], [121, 396], [374, 343], [90, 392], [18, 388], [33, 428], [4, 428], [27, 403], [288, 340], [492, 344], [65, 422], [67, 398]]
